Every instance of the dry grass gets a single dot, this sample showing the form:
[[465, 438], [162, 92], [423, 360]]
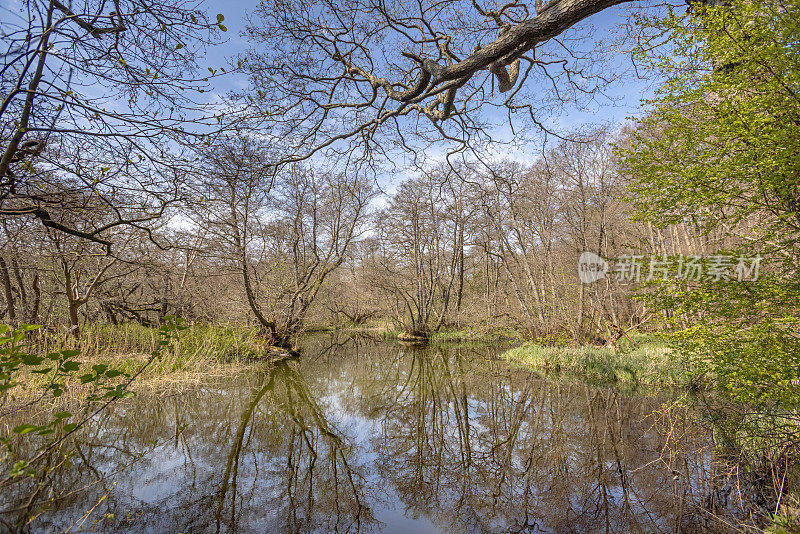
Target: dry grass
[[199, 350], [194, 356]]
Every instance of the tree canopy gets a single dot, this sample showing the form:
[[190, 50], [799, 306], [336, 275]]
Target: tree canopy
[[720, 147]]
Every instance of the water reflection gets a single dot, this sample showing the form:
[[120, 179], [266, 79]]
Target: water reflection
[[363, 436]]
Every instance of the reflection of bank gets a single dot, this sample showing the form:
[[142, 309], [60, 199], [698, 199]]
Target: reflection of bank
[[491, 448], [591, 267]]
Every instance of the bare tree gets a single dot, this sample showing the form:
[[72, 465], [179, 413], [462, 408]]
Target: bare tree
[[422, 240], [81, 267], [100, 96], [286, 232], [21, 272], [80, 280], [593, 217]]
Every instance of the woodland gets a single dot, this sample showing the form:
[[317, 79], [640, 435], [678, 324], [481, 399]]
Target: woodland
[[426, 172]]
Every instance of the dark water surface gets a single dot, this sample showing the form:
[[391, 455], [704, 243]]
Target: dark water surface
[[361, 436]]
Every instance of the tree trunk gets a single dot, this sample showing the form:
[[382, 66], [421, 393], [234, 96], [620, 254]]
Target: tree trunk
[[9, 293], [74, 324]]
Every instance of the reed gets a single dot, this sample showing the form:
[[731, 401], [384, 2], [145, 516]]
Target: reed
[[201, 350]]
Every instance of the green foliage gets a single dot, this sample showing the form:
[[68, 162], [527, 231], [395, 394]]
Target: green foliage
[[58, 368], [743, 336], [784, 522], [390, 334], [720, 142], [719, 150]]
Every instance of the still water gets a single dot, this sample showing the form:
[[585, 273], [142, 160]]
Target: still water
[[365, 436]]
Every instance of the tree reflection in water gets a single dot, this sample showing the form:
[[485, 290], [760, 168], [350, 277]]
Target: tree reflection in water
[[364, 436], [317, 474]]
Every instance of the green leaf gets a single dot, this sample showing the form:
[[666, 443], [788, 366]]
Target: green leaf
[[18, 468], [62, 415], [220, 17], [222, 27], [119, 394], [70, 365], [100, 368], [31, 359], [24, 429]]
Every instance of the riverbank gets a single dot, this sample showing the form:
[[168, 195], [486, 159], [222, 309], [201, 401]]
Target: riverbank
[[192, 355], [641, 359], [211, 350], [648, 361], [203, 351], [460, 336], [388, 331]]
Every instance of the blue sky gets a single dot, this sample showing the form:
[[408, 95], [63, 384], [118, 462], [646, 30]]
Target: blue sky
[[627, 91], [623, 96]]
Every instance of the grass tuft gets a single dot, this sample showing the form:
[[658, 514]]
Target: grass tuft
[[650, 363]]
